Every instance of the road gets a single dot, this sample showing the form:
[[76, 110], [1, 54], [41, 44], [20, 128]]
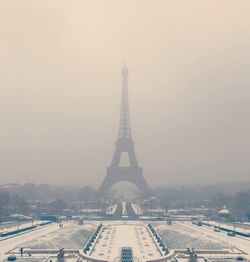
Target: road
[[241, 243], [243, 228], [9, 244], [18, 225]]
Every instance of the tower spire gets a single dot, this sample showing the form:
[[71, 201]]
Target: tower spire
[[124, 126]]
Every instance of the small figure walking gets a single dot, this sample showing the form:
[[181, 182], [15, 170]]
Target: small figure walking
[[21, 251]]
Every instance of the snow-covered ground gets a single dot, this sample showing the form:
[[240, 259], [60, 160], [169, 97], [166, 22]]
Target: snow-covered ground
[[124, 210], [137, 208], [71, 235], [125, 233], [185, 234], [178, 236], [111, 209]]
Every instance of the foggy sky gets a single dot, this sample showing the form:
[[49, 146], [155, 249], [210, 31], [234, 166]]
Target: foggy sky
[[60, 89]]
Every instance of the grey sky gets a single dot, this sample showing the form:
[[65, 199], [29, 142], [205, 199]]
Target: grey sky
[[60, 88]]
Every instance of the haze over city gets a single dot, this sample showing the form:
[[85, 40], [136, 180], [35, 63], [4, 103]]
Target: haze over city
[[60, 89], [125, 131]]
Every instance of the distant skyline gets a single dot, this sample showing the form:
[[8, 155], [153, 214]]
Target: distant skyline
[[60, 89]]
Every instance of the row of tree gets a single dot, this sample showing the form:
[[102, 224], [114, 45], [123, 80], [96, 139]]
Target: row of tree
[[11, 204], [44, 192], [186, 197], [36, 199], [54, 199]]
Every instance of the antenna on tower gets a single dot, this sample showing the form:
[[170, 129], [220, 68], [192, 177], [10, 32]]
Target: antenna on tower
[[125, 69]]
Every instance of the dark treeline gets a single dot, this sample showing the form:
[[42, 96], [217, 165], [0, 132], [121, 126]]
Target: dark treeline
[[35, 199], [12, 203], [45, 192], [235, 197]]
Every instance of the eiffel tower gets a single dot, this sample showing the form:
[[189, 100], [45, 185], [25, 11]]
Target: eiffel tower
[[124, 144]]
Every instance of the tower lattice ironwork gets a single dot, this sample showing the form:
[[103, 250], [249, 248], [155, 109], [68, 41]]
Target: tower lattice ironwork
[[124, 144]]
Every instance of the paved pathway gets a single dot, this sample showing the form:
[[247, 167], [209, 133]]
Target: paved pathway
[[116, 236]]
